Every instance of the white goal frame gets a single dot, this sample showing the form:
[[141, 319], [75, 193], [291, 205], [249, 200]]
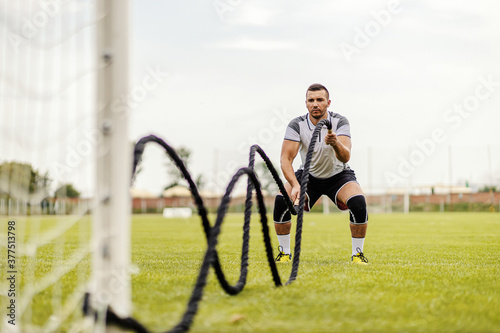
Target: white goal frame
[[64, 68], [110, 284]]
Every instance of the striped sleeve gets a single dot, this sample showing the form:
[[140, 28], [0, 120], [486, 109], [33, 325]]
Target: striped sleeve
[[292, 132], [343, 127]]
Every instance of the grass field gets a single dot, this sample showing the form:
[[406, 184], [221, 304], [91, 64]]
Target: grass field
[[427, 273]]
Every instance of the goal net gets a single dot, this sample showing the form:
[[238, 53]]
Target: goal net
[[64, 164]]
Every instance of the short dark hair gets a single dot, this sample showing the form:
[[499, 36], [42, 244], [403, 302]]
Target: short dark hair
[[317, 87]]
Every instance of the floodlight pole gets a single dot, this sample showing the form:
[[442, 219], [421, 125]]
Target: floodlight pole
[[111, 221], [450, 166], [492, 195]]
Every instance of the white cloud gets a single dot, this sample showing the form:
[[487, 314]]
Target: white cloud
[[474, 8], [251, 14], [256, 44]]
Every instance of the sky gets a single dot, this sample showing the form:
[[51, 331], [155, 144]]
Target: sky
[[419, 82]]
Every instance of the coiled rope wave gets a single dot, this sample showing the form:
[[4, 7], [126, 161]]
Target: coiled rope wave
[[211, 257]]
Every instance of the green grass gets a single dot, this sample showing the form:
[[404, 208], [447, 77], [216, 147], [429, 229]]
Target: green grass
[[428, 272], [44, 262]]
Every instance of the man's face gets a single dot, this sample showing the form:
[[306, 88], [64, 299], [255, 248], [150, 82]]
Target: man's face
[[317, 103]]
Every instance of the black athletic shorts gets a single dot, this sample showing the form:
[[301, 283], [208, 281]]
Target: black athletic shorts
[[328, 186]]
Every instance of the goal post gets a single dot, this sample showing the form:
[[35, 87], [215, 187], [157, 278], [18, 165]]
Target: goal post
[[65, 165], [111, 267]]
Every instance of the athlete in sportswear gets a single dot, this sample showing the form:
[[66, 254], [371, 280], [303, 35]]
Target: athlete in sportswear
[[329, 172]]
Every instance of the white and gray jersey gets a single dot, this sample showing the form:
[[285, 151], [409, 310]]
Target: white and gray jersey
[[324, 163]]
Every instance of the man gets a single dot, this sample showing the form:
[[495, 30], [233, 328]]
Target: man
[[329, 173]]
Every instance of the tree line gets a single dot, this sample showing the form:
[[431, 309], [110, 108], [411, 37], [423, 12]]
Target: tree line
[[176, 178], [23, 182]]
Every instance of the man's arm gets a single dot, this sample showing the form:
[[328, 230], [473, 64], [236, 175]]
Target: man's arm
[[342, 146], [289, 151]]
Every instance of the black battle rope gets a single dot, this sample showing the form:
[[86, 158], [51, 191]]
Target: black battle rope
[[303, 189], [139, 149], [295, 210], [211, 257]]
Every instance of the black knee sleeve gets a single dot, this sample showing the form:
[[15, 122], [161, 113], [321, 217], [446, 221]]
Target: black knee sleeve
[[357, 209], [281, 212]]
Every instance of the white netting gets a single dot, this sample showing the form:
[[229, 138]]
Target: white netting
[[47, 147]]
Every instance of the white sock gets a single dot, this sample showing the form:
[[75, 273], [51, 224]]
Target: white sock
[[357, 243], [284, 241]]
